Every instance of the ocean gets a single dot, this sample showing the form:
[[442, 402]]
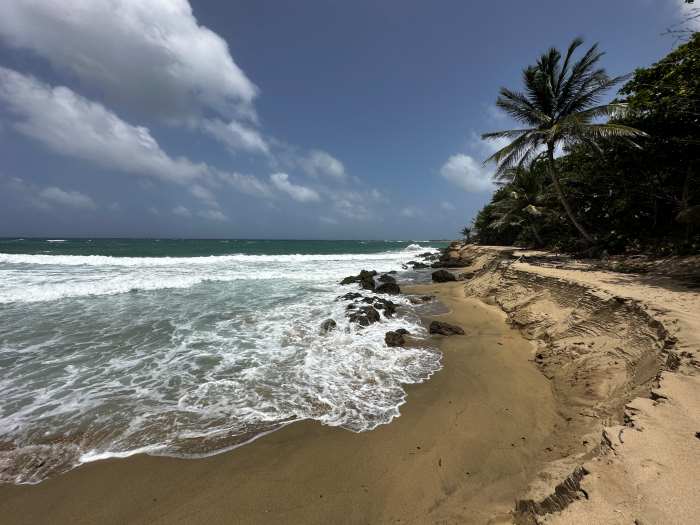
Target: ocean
[[187, 348]]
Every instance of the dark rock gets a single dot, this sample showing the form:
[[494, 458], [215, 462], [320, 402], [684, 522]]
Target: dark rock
[[392, 272], [403, 331], [365, 316], [350, 296], [386, 278], [438, 327], [394, 339], [427, 298], [368, 300], [389, 288], [417, 265], [327, 326], [366, 279], [443, 276], [388, 306]]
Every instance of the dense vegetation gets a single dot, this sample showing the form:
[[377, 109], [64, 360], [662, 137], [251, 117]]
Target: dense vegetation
[[631, 184]]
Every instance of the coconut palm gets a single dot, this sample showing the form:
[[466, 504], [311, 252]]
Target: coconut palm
[[522, 205], [466, 233], [559, 108]]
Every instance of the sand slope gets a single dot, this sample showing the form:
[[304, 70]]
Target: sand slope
[[623, 354]]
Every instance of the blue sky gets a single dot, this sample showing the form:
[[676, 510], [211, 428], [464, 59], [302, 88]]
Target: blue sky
[[268, 119]]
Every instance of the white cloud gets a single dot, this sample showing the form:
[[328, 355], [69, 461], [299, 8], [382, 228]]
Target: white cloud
[[46, 198], [75, 126], [205, 195], [689, 15], [467, 173], [181, 211], [321, 164], [328, 220], [245, 183], [213, 215], [235, 136], [447, 206], [69, 199], [150, 56], [296, 192]]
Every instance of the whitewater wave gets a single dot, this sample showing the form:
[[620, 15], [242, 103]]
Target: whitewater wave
[[215, 352]]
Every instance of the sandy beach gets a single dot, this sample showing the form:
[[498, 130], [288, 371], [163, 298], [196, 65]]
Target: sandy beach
[[555, 406], [466, 445]]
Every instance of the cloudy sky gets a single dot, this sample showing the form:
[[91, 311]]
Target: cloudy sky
[[269, 119]]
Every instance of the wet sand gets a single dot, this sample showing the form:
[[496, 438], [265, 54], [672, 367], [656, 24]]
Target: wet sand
[[466, 446]]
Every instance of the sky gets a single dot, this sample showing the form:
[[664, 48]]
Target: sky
[[268, 119]]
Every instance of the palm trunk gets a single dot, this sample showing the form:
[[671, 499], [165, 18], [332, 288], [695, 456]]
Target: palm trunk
[[557, 186], [537, 235]]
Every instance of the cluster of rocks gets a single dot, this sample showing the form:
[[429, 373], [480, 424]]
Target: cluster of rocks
[[365, 310], [366, 280], [452, 257]]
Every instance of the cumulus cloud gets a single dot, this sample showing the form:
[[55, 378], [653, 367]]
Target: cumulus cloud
[[321, 164], [235, 136], [297, 192], [47, 198], [72, 125], [150, 56], [467, 173], [69, 199], [249, 184]]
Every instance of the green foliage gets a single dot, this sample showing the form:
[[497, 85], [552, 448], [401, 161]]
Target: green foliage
[[630, 199]]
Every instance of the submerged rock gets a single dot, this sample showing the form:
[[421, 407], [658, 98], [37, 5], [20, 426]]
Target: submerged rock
[[443, 276], [389, 288], [350, 296], [394, 339], [366, 316], [442, 328], [388, 306], [402, 331], [386, 278], [328, 326]]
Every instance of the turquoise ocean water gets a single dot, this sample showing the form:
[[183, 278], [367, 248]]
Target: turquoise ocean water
[[110, 347]]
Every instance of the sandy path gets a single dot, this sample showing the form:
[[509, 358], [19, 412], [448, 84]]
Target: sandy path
[[466, 445]]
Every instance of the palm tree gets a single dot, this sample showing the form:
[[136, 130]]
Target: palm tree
[[559, 108], [466, 233], [522, 205]]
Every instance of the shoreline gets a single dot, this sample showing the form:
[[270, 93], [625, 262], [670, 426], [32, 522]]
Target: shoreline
[[572, 398], [454, 454]]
